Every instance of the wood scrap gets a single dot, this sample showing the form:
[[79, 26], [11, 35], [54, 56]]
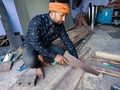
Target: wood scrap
[[28, 78], [107, 60], [5, 66], [107, 71], [107, 55]]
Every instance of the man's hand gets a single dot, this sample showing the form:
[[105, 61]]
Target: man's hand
[[60, 59]]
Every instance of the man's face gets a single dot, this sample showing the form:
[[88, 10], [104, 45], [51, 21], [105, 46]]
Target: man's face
[[58, 17]]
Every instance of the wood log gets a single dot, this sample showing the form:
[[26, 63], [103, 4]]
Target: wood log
[[107, 71], [107, 55], [107, 60]]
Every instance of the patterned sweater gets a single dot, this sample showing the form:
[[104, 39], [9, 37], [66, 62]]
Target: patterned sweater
[[43, 31]]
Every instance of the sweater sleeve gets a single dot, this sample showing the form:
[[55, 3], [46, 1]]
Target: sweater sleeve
[[36, 41], [68, 43]]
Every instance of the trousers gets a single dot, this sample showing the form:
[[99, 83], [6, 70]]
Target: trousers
[[30, 56]]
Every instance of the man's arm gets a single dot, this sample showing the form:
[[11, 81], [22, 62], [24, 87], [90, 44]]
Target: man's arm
[[68, 43]]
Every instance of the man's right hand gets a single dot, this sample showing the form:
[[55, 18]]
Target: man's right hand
[[60, 59]]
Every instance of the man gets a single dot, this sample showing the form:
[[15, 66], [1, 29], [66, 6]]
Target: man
[[43, 30]]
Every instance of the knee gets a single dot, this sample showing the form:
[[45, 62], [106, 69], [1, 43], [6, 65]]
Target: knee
[[29, 61]]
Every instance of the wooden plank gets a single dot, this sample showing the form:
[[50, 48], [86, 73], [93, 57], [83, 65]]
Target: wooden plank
[[78, 64], [58, 79], [81, 83], [82, 20], [84, 52], [107, 55], [5, 66], [77, 76], [28, 78], [101, 59], [107, 71], [75, 36]]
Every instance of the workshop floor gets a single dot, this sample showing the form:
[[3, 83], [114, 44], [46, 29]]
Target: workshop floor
[[104, 39]]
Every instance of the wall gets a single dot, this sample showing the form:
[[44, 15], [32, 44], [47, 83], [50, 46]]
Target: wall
[[35, 7], [12, 15], [2, 31], [22, 14]]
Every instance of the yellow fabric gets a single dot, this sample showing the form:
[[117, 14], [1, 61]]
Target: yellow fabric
[[59, 7]]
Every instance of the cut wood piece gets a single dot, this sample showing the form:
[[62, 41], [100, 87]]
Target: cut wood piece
[[5, 66], [79, 64], [54, 84], [107, 55], [77, 76], [84, 52], [107, 71], [28, 78], [101, 59]]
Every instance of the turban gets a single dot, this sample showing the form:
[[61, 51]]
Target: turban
[[59, 7]]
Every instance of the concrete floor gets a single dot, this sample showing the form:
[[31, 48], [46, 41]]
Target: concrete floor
[[104, 39], [99, 41]]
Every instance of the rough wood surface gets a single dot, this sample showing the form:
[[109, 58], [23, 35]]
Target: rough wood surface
[[55, 82], [79, 64], [27, 79], [5, 66], [84, 52], [77, 76], [101, 59], [107, 55], [75, 35], [107, 71]]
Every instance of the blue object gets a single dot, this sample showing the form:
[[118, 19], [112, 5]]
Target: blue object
[[54, 63], [1, 59], [23, 67], [104, 16]]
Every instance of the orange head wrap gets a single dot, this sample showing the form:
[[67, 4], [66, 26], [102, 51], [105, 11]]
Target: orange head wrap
[[59, 7]]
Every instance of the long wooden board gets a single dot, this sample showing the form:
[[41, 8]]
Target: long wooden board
[[107, 71], [75, 36], [107, 60], [79, 64], [107, 55]]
